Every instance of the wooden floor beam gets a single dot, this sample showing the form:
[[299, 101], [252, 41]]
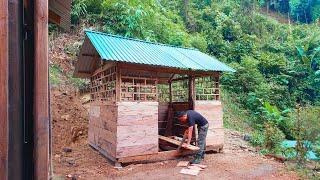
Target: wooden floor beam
[[160, 156]]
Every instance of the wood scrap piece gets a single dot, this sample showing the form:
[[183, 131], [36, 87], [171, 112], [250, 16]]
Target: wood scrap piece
[[175, 142], [183, 164], [192, 172], [199, 165], [195, 168]]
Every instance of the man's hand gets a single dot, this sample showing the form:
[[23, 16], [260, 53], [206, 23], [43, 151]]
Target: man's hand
[[185, 145]]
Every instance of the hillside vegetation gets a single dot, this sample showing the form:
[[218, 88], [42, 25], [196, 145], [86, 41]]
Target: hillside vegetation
[[275, 93]]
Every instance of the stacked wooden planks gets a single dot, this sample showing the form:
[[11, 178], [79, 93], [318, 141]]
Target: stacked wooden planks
[[212, 111], [103, 129], [124, 129], [137, 128]]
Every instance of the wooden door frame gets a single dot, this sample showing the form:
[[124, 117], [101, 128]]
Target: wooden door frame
[[4, 64], [10, 68]]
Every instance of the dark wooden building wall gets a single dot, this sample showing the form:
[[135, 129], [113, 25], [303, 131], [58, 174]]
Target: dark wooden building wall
[[4, 89], [163, 117], [59, 11]]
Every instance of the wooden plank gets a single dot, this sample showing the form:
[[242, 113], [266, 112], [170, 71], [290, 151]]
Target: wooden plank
[[103, 139], [41, 91], [183, 163], [192, 172], [159, 156], [212, 111], [175, 142], [124, 140], [167, 70], [136, 150], [215, 136], [103, 152], [4, 65]]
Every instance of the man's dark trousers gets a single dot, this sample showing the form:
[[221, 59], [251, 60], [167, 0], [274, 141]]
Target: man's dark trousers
[[202, 135]]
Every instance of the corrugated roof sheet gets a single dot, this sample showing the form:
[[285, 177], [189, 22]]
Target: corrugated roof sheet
[[121, 49]]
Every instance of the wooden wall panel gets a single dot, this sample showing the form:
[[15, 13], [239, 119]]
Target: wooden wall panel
[[137, 150], [4, 89], [213, 112], [215, 137], [41, 90], [102, 133], [162, 117], [137, 128]]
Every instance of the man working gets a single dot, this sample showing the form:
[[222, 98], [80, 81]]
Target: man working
[[191, 118]]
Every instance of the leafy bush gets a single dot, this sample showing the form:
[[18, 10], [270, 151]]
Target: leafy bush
[[257, 139], [79, 9], [273, 137], [306, 128]]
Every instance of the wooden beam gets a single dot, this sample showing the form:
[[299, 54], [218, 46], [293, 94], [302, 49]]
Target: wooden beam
[[4, 65], [160, 156], [175, 142], [162, 69], [90, 55], [191, 99], [41, 91], [118, 84]]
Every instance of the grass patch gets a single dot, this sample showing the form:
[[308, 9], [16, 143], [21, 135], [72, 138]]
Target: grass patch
[[234, 117], [55, 75]]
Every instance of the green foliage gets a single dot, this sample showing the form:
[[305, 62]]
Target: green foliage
[[78, 10], [77, 82], [316, 11], [273, 137], [257, 138], [54, 75], [306, 129]]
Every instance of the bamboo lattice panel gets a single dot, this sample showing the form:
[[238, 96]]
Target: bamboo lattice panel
[[207, 88], [138, 89], [103, 85], [180, 91], [163, 93]]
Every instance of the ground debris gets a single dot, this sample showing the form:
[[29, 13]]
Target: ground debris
[[193, 172], [67, 149], [183, 164]]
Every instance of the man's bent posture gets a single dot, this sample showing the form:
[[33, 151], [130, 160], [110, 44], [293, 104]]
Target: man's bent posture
[[191, 118]]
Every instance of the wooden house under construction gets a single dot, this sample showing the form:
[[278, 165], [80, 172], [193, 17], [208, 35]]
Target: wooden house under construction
[[136, 89]]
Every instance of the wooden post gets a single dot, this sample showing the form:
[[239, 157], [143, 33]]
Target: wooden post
[[41, 91], [4, 90], [168, 130], [191, 98], [118, 83]]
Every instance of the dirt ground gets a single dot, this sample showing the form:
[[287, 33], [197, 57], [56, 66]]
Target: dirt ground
[[74, 159]]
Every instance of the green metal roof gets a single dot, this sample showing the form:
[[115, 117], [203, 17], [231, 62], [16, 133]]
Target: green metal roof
[[121, 49]]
